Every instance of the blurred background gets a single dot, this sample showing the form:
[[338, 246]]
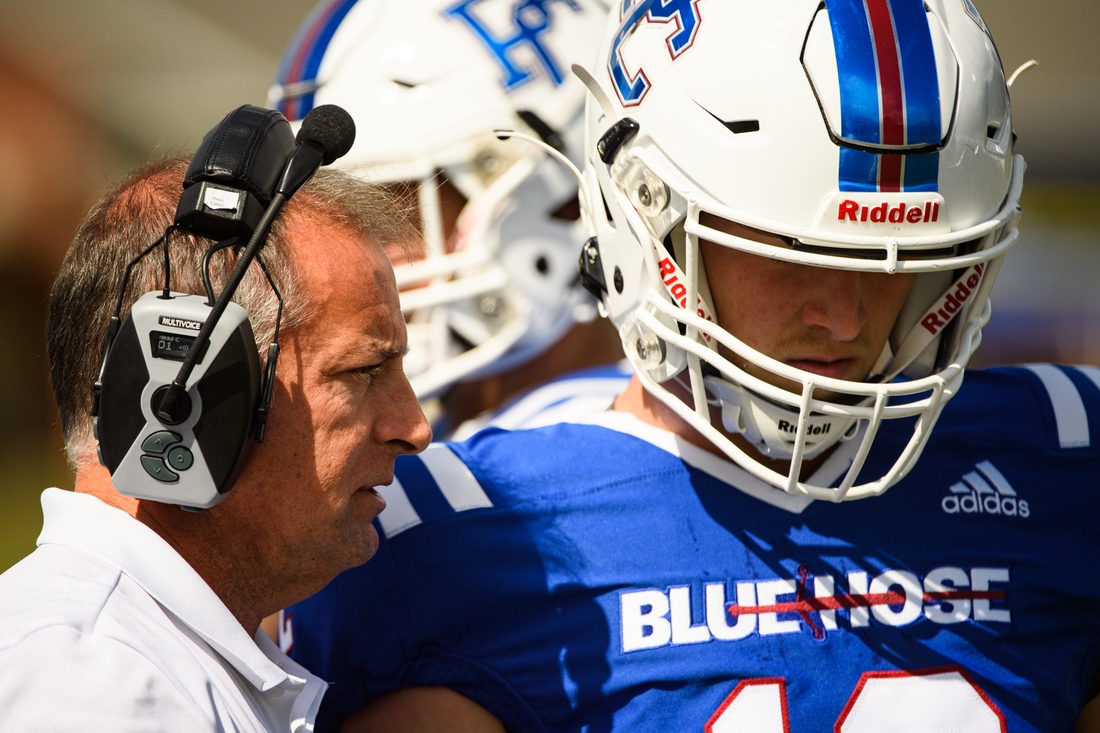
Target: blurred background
[[97, 87]]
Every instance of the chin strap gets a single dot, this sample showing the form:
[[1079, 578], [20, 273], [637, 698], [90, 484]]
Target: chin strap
[[770, 428], [934, 321], [675, 281]]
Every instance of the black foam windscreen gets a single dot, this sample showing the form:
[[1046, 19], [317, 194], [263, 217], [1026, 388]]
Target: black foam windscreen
[[329, 127]]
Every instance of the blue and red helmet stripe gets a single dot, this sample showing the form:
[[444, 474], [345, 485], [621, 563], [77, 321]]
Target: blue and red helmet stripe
[[889, 94], [302, 59]]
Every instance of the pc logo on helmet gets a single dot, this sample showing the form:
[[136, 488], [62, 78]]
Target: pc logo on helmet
[[532, 19], [685, 13]]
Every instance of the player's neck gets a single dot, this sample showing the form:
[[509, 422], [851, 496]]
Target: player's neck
[[636, 401]]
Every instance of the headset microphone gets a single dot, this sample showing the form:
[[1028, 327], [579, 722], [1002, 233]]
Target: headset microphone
[[182, 435]]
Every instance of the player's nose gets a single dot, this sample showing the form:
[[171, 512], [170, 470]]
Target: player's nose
[[834, 302]]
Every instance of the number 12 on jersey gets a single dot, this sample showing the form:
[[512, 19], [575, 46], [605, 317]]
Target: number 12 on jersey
[[940, 700]]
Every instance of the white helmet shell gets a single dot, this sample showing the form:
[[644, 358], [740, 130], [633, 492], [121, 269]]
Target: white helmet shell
[[427, 83], [872, 135]]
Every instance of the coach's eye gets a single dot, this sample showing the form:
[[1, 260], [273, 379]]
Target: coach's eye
[[367, 373]]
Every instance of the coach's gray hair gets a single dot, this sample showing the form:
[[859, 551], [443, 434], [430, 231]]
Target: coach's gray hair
[[133, 216]]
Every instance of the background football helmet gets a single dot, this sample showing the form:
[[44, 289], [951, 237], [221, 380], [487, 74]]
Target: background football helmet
[[873, 135], [428, 82]]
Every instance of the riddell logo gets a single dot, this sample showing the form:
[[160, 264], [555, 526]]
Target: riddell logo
[[952, 301], [787, 427], [671, 278], [900, 214], [985, 491]]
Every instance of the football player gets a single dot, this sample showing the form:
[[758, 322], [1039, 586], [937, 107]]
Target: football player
[[800, 209], [494, 284]]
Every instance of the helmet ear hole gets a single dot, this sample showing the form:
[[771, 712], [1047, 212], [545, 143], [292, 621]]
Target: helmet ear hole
[[607, 210], [569, 211]]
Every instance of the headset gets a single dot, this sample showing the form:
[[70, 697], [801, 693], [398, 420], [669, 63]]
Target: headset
[[180, 397]]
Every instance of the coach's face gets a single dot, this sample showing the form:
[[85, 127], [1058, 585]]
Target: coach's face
[[830, 322], [342, 410]]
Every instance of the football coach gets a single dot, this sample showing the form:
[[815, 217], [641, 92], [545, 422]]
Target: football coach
[[134, 615]]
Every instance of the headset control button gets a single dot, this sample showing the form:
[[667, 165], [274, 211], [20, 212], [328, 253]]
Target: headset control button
[[95, 428], [155, 467], [158, 442], [180, 458]]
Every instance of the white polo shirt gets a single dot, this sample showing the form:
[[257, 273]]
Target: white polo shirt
[[106, 628]]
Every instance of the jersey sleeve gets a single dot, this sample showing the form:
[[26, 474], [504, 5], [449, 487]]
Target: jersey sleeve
[[60, 680], [1029, 437], [1049, 409], [1069, 398], [386, 625]]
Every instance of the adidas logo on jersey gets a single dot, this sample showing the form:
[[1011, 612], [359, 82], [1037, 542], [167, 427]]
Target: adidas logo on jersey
[[985, 491]]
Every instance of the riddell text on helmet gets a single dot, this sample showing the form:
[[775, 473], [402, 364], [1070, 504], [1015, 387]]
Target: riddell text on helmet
[[898, 214], [953, 300], [671, 277]]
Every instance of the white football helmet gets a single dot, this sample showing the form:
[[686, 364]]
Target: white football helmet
[[427, 83], [872, 135]]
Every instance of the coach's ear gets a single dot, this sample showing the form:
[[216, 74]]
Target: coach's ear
[[423, 710]]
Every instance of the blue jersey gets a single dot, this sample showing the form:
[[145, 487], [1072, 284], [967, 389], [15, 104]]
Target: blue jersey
[[607, 576]]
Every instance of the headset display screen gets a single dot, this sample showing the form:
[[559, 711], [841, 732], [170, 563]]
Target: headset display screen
[[172, 345]]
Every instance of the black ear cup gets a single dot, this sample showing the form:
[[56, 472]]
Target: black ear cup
[[195, 459]]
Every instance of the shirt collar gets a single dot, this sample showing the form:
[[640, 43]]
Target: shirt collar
[[85, 523]]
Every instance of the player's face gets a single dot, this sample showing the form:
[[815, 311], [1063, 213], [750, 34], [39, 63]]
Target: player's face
[[834, 323], [343, 409]]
